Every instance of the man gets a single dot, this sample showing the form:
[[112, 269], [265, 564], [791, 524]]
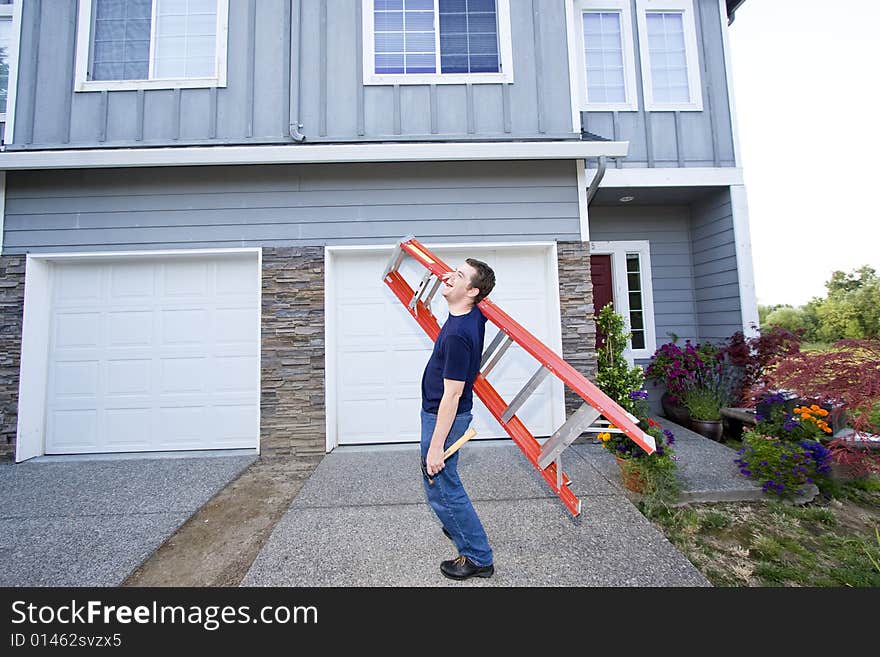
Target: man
[[447, 400]]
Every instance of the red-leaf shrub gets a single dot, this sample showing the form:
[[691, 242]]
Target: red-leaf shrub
[[752, 357], [847, 375]]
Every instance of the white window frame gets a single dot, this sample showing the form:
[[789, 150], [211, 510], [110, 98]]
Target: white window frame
[[7, 13], [618, 251], [695, 88], [502, 9], [624, 8], [83, 49]]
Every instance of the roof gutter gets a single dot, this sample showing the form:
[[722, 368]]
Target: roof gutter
[[310, 154]]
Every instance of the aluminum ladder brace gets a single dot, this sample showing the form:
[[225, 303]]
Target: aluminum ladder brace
[[546, 458]]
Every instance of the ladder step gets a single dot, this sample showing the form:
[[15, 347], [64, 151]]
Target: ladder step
[[497, 356], [431, 294], [567, 433], [420, 290], [521, 397], [492, 346]]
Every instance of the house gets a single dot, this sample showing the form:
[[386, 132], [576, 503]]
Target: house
[[200, 197]]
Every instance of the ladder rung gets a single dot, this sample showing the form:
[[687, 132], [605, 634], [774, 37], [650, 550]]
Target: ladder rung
[[394, 261], [497, 356], [492, 346], [567, 433], [559, 471], [420, 290], [431, 294], [521, 397]]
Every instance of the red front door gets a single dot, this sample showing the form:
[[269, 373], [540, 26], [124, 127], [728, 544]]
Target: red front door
[[603, 289]]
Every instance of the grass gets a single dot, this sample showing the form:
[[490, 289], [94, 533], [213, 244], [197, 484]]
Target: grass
[[832, 541]]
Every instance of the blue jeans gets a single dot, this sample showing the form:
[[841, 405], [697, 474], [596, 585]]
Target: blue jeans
[[447, 496]]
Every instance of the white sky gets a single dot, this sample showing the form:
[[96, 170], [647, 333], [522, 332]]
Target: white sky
[[806, 76]]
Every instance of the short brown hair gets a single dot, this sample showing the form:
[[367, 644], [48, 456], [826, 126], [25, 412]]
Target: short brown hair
[[483, 278]]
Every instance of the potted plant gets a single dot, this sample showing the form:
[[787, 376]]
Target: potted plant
[[704, 407], [653, 475], [676, 368]]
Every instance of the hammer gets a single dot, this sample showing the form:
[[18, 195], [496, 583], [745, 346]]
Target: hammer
[[453, 448]]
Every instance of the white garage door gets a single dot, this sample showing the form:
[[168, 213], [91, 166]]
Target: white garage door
[[380, 351], [151, 354]]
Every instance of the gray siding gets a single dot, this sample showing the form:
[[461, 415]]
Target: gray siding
[[678, 139], [253, 107], [334, 104], [289, 205], [667, 228], [716, 283]]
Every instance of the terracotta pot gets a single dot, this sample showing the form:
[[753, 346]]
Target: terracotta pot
[[675, 411], [713, 429], [632, 478]]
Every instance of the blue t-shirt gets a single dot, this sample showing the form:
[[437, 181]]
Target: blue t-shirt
[[457, 353]]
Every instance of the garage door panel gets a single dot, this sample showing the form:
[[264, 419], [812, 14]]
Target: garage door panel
[[131, 428], [185, 279], [361, 369], [132, 281], [155, 347], [129, 376], [182, 375], [130, 328], [234, 278], [76, 379], [80, 283], [74, 329], [234, 423], [234, 326], [364, 421], [73, 429], [232, 373], [359, 322], [184, 326]]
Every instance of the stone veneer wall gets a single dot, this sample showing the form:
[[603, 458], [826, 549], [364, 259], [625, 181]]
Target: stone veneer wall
[[292, 415], [576, 306], [11, 315]]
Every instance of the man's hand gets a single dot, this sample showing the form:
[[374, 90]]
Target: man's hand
[[434, 460]]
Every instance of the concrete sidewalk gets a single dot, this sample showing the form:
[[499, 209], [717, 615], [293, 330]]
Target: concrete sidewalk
[[362, 520], [90, 521]]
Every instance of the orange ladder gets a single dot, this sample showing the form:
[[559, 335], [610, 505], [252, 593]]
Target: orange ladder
[[546, 458]]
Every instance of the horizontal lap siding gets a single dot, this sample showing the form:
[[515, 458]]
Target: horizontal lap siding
[[716, 283], [668, 231], [289, 205]]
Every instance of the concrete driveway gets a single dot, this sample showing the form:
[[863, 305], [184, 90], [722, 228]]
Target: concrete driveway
[[90, 521], [361, 520]]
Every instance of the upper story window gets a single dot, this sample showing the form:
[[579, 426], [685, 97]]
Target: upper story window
[[436, 41], [151, 44], [670, 63], [605, 57], [5, 52]]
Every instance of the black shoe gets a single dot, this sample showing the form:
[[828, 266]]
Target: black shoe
[[462, 568], [447, 534]]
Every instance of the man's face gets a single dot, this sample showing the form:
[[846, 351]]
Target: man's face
[[458, 284]]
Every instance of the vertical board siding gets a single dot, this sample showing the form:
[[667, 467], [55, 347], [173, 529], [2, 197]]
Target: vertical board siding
[[289, 205], [716, 284], [253, 106], [703, 139]]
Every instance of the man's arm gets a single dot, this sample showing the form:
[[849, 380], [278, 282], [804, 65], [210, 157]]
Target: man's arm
[[452, 391]]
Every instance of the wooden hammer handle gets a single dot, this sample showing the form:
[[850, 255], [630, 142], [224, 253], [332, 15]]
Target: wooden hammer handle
[[454, 447]]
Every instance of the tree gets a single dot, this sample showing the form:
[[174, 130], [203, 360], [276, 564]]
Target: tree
[[791, 319], [852, 308]]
